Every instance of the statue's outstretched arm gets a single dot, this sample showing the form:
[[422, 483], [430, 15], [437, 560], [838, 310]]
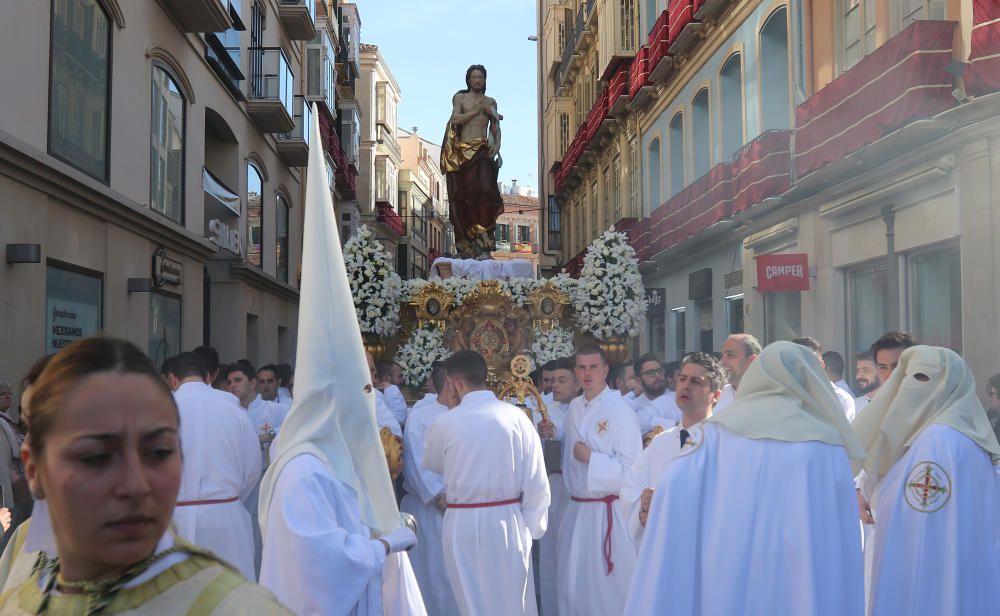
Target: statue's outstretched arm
[[459, 117]]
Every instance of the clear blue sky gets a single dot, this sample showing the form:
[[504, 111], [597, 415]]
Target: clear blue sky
[[429, 44]]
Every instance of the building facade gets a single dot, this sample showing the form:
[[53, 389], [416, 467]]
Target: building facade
[[154, 175], [518, 227], [864, 153], [423, 204]]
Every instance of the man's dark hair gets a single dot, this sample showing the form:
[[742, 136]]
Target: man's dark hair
[[536, 377], [211, 357], [438, 374], [468, 366], [993, 383], [549, 366], [590, 349], [468, 77], [893, 340], [671, 367], [242, 366], [810, 343], [270, 367], [564, 363], [834, 364], [188, 364], [383, 369], [166, 368], [864, 356], [616, 372], [715, 372], [637, 366], [284, 372]]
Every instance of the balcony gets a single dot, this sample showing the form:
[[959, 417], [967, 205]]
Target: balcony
[[983, 73], [293, 146], [225, 62], [640, 89], [661, 62], [392, 221], [200, 15], [618, 91], [900, 82], [385, 136], [299, 18], [685, 32], [711, 10], [270, 100], [762, 169]]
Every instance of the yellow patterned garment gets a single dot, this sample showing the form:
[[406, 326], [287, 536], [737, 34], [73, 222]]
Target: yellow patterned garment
[[199, 585], [456, 153]]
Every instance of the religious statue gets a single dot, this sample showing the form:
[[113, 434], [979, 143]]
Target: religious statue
[[470, 158]]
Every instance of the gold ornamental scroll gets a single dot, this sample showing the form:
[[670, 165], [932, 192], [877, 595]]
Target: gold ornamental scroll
[[519, 388]]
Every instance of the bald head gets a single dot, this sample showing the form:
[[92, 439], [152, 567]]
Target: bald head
[[739, 351]]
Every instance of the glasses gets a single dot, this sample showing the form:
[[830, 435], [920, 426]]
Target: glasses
[[654, 372], [992, 393]]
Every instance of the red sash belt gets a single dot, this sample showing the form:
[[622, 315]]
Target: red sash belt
[[511, 501], [607, 500], [211, 501]]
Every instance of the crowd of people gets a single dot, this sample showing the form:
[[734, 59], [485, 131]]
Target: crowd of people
[[751, 481]]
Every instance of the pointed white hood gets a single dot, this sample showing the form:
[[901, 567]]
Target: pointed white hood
[[333, 413]]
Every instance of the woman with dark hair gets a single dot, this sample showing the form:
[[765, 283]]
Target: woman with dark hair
[[104, 454]]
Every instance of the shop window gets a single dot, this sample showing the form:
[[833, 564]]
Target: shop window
[[166, 146], [782, 316], [164, 327], [680, 332], [868, 290], [79, 82], [658, 333], [74, 306], [936, 298], [706, 331], [281, 238], [734, 314], [255, 216]]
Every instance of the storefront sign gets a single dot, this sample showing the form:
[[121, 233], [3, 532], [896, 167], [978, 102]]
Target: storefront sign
[[655, 300], [784, 272], [165, 270]]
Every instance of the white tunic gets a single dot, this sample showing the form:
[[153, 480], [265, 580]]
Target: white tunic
[[725, 398], [319, 557], [609, 427], [751, 526], [384, 418], [936, 543], [422, 486], [646, 473], [396, 402], [661, 411], [488, 451], [861, 402], [263, 412], [846, 402], [548, 549], [222, 461]]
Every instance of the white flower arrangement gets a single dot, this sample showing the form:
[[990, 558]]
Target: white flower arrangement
[[519, 288], [411, 287], [610, 299], [459, 287], [424, 347], [551, 344], [566, 283], [375, 286]]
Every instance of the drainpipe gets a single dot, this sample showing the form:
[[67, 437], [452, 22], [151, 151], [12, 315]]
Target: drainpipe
[[889, 217]]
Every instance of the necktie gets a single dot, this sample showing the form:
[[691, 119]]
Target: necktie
[[684, 436]]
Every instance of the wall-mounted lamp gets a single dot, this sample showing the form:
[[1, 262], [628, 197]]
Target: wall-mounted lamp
[[140, 285], [24, 253]]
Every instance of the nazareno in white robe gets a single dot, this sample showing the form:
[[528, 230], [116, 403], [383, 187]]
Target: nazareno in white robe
[[645, 473], [608, 425], [488, 452], [319, 557], [936, 544], [422, 487], [548, 548], [751, 526]]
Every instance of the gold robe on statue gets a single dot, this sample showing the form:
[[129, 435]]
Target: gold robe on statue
[[473, 194]]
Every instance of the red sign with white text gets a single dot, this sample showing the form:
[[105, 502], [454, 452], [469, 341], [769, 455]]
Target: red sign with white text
[[786, 272]]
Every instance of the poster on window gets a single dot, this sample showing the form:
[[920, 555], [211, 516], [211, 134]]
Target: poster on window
[[69, 321]]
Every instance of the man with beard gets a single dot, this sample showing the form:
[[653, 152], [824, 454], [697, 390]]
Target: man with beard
[[469, 158], [738, 352], [654, 407], [866, 377]]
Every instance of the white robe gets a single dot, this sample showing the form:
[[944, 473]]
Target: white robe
[[319, 557], [662, 411], [221, 461], [548, 549], [264, 412], [725, 398], [745, 526], [610, 428], [384, 418], [422, 487], [646, 473], [396, 402], [846, 402], [428, 398], [488, 451], [940, 555], [861, 402]]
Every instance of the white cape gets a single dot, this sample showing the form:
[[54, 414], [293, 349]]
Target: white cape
[[744, 526], [936, 552]]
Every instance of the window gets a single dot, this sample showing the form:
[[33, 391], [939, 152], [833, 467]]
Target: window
[[321, 70], [381, 180], [281, 238], [626, 17], [503, 234], [706, 333], [701, 133], [523, 234], [381, 110], [606, 204], [634, 179], [676, 154], [936, 298], [731, 89], [653, 155], [782, 316], [868, 288], [79, 86], [166, 146], [858, 21], [657, 332], [913, 10], [734, 313], [555, 224], [255, 216], [776, 112], [563, 133], [680, 332], [651, 15], [593, 210], [616, 188], [74, 306], [164, 327]]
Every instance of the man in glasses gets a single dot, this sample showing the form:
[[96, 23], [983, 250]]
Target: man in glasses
[[655, 407], [993, 403]]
